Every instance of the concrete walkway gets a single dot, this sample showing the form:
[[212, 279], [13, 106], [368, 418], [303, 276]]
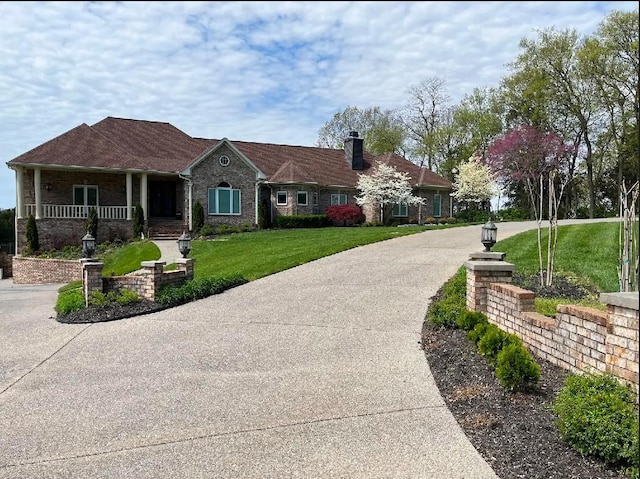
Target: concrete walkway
[[312, 372]]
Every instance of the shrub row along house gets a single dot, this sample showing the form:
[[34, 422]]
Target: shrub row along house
[[117, 163]]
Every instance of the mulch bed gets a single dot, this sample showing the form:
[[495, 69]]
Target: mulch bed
[[111, 312], [514, 431]]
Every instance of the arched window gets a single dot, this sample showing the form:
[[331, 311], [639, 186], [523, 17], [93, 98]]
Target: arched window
[[224, 200]]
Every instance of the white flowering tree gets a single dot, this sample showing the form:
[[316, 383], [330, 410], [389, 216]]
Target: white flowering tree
[[385, 186], [474, 183]]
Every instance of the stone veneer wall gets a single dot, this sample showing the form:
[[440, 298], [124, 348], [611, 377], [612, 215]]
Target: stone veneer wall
[[578, 338], [40, 271], [56, 233]]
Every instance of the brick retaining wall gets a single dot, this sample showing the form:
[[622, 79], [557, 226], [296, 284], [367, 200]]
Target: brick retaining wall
[[40, 271], [578, 338]]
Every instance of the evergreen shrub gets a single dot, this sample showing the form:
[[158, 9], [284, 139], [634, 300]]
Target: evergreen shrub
[[598, 416], [515, 367]]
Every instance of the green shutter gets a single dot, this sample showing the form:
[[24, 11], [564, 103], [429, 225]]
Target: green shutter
[[396, 210], [236, 202], [437, 205], [212, 201]]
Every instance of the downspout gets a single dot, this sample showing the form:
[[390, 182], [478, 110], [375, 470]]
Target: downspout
[[189, 184], [257, 202]]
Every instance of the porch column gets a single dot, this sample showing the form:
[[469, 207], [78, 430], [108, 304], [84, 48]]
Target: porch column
[[19, 192], [37, 183], [143, 193], [129, 197]]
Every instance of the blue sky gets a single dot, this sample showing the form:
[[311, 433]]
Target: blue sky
[[256, 71]]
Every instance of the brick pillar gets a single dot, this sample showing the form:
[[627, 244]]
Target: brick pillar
[[91, 277], [480, 273], [186, 265], [152, 271], [622, 341]]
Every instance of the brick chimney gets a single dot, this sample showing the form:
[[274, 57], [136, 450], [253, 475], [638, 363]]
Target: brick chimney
[[353, 151]]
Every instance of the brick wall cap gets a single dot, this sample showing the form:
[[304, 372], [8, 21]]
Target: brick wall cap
[[152, 264], [584, 312], [489, 266], [487, 255], [184, 260], [628, 300]]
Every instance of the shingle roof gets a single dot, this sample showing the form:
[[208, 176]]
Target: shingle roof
[[117, 143]]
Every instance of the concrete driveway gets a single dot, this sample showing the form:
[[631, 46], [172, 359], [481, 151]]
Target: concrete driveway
[[312, 372]]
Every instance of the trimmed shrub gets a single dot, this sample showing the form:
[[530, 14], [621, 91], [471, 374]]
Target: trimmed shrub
[[138, 221], [345, 215], [206, 230], [477, 332], [468, 320], [91, 223], [445, 312], [33, 243], [516, 367], [494, 340], [198, 216], [598, 417], [301, 221], [196, 289], [69, 301]]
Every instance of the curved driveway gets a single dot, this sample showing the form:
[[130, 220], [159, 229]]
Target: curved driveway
[[314, 372]]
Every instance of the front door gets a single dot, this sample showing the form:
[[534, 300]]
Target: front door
[[162, 199]]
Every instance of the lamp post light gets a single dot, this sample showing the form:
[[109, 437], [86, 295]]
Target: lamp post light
[[489, 235], [88, 245], [184, 244]]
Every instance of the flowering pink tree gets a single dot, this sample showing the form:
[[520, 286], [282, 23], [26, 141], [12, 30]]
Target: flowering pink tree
[[539, 160]]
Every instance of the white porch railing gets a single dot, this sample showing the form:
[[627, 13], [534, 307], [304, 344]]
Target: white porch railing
[[79, 212]]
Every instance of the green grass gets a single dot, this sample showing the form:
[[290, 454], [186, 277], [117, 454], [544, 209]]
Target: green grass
[[261, 253], [119, 261], [588, 251]]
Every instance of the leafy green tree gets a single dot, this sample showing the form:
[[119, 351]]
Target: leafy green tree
[[382, 131], [7, 226]]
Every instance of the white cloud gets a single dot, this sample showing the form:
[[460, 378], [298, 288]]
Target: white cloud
[[256, 71]]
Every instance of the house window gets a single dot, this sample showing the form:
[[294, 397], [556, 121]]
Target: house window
[[437, 205], [224, 200], [281, 198], [315, 198], [400, 209], [338, 199], [303, 199], [85, 195]]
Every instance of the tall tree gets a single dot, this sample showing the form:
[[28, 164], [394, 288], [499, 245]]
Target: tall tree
[[423, 117], [611, 60], [554, 91], [382, 131]]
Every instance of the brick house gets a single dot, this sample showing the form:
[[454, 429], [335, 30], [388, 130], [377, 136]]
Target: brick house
[[117, 163]]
